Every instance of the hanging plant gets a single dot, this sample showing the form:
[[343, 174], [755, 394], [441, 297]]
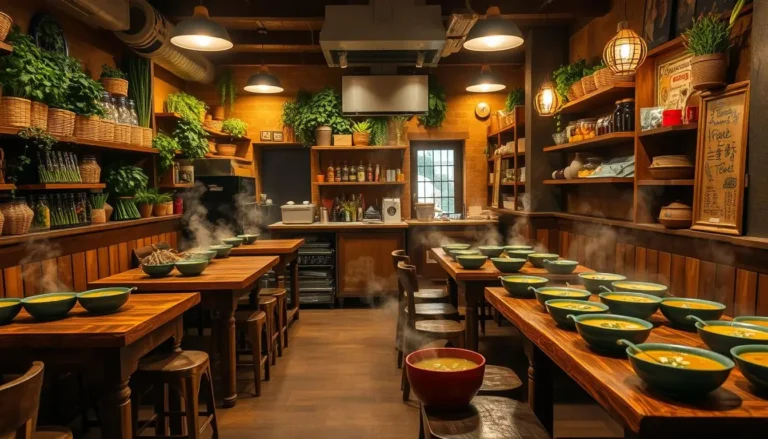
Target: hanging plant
[[514, 98], [139, 76], [227, 91], [437, 106]]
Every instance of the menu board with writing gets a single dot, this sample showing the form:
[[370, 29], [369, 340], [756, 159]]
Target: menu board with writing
[[721, 160], [673, 82]]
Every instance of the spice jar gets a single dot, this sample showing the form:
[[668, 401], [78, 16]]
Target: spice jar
[[628, 114], [586, 128]]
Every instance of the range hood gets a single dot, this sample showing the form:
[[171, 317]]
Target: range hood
[[399, 32], [384, 95]]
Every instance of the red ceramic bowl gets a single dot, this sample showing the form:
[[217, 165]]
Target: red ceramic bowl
[[445, 390]]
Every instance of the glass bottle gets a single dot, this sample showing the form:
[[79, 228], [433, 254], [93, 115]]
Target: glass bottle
[[617, 118], [345, 172], [132, 111], [369, 175], [108, 107], [628, 114], [329, 173], [337, 173], [361, 172], [353, 172], [123, 113], [360, 207], [353, 209], [378, 173]]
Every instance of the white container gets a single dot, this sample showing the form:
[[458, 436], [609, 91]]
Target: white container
[[425, 211], [391, 211], [298, 214]]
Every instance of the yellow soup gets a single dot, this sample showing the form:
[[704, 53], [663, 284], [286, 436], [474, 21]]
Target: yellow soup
[[4, 304], [48, 299], [689, 305], [625, 298], [680, 360], [104, 293], [576, 306], [446, 364], [600, 277], [638, 287], [755, 322], [760, 358], [737, 332], [523, 280], [562, 293], [612, 324]]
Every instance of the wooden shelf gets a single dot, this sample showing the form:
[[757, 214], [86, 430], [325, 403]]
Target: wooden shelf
[[603, 141], [651, 182], [175, 185], [665, 131], [61, 186], [599, 98], [7, 187], [360, 148], [514, 183], [278, 144], [606, 180], [508, 156], [5, 47], [364, 183], [507, 128], [90, 143], [226, 157], [212, 133]]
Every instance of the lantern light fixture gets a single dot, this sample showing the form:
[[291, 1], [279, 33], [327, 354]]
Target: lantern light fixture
[[626, 51], [547, 101]]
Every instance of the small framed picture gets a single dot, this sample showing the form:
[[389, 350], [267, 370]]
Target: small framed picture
[[266, 136], [277, 136]]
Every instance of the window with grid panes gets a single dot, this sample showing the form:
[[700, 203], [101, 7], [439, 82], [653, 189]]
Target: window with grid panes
[[437, 175]]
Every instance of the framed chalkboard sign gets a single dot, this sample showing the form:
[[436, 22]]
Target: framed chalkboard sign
[[721, 160]]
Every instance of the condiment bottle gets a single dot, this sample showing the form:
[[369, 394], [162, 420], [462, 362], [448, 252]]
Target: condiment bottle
[[337, 174], [361, 172], [345, 172], [329, 173], [370, 172]]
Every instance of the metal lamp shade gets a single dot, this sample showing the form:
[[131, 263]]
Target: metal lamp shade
[[200, 33], [263, 82], [625, 52], [486, 82], [547, 101], [493, 34]]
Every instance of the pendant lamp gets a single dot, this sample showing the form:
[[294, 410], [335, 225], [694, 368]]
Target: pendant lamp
[[626, 51], [486, 82], [547, 101], [201, 33], [493, 34], [263, 82]]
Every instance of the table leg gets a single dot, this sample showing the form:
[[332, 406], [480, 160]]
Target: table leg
[[223, 304], [453, 292], [473, 293], [116, 420], [540, 388], [294, 290]]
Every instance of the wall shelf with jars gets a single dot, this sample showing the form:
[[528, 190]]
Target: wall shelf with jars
[[506, 161]]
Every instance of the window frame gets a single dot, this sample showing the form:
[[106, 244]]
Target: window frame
[[458, 171]]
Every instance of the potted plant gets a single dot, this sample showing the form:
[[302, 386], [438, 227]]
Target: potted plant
[[191, 138], [125, 181], [235, 127], [188, 106], [167, 148], [565, 78], [98, 213], [514, 98], [436, 107], [145, 200], [227, 95], [708, 40], [361, 133], [291, 115], [321, 117], [161, 203], [114, 80]]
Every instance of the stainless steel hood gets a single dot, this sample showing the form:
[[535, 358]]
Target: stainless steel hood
[[384, 95], [399, 32]]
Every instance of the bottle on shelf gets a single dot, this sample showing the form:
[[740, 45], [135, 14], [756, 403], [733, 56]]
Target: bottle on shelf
[[345, 172], [329, 173], [378, 174], [353, 172], [132, 112], [360, 208], [353, 209], [361, 172], [369, 174], [337, 172]]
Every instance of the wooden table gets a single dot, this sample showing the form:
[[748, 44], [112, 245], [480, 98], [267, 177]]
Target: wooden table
[[731, 411], [288, 251], [221, 285], [105, 349], [473, 282]]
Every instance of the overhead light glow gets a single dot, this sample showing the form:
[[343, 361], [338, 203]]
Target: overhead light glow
[[486, 82], [494, 33], [201, 33], [264, 83]]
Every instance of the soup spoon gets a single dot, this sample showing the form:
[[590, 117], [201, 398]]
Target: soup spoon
[[625, 342]]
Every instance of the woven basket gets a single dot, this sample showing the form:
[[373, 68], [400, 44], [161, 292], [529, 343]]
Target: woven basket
[[106, 130], [578, 90], [61, 122], [214, 125], [122, 133], [38, 115], [87, 127], [15, 112], [115, 86], [18, 218], [90, 171], [606, 78], [588, 83], [226, 149], [146, 137], [136, 135], [708, 71], [570, 94], [98, 216], [5, 25]]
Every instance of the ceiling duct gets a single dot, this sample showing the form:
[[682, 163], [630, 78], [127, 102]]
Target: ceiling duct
[[111, 15]]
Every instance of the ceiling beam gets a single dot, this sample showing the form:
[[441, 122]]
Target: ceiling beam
[[254, 37]]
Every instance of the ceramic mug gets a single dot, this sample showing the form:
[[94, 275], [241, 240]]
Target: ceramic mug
[[691, 114]]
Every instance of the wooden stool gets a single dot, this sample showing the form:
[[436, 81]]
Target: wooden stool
[[501, 381], [53, 433], [281, 294], [269, 306], [254, 325], [182, 372]]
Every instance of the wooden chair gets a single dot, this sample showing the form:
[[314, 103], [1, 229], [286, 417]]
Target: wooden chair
[[269, 306], [281, 294], [417, 332], [254, 325], [183, 373]]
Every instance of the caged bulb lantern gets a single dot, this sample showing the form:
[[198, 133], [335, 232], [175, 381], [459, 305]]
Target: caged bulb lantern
[[625, 52], [547, 101]]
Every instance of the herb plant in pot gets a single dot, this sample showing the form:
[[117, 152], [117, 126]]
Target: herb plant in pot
[[98, 212], [114, 80], [145, 200], [125, 181], [322, 117], [361, 133], [708, 40], [160, 206], [235, 127]]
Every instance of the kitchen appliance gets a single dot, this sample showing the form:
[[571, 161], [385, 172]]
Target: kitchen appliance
[[317, 272], [293, 213], [391, 211]]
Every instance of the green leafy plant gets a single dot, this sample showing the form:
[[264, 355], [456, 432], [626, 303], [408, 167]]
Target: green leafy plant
[[188, 106], [437, 106], [163, 198], [361, 127], [108, 71], [323, 108], [29, 72], [125, 209], [191, 138], [235, 127], [566, 75], [126, 180], [39, 138], [83, 95], [378, 130], [514, 98], [139, 76], [49, 35], [709, 34], [292, 109], [167, 148], [97, 200], [599, 67], [227, 91], [145, 197]]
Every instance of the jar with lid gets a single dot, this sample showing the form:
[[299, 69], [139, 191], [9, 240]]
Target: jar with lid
[[90, 171], [586, 128], [132, 112], [123, 112], [110, 113], [628, 114], [617, 121]]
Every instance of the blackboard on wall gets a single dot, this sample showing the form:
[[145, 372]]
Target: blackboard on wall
[[285, 174]]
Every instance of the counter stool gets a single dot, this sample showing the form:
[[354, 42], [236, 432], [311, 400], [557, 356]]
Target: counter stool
[[53, 433], [183, 373], [269, 306], [254, 325], [281, 294]]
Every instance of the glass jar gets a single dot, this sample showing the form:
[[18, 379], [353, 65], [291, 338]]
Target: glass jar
[[570, 131], [110, 113], [132, 111], [123, 112], [617, 118], [42, 215], [586, 128], [627, 114]]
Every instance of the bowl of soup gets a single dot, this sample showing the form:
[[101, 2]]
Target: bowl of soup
[[722, 336], [602, 332], [677, 310], [522, 254], [455, 253], [753, 363], [191, 267], [513, 248], [517, 285], [9, 308], [201, 254], [637, 305], [492, 251], [537, 259], [593, 281], [560, 309], [560, 266], [508, 265], [104, 300], [234, 242], [248, 238], [628, 286], [456, 246], [51, 306], [680, 370], [159, 270], [549, 293], [222, 251], [445, 378], [753, 320], [471, 262]]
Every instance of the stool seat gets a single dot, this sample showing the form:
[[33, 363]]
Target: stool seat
[[434, 309], [272, 291], [265, 300], [439, 326], [186, 362], [53, 433], [499, 379], [247, 315], [430, 294]]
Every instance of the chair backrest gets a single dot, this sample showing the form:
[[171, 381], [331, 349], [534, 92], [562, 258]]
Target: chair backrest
[[19, 402], [406, 275], [399, 256]]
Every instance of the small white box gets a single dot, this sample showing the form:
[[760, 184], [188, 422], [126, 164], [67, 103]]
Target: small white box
[[298, 214]]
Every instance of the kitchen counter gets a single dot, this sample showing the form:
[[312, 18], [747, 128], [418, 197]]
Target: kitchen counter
[[336, 226], [417, 223]]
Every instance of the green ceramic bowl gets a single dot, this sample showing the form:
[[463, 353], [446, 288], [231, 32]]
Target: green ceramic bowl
[[9, 308], [519, 253], [722, 344], [191, 267], [757, 374], [549, 293], [560, 266], [448, 247], [605, 337], [455, 253], [677, 315], [104, 300], [629, 286], [51, 306], [508, 265], [639, 310], [202, 254], [537, 259], [512, 248], [234, 242], [160, 270], [593, 281], [471, 262], [678, 381], [492, 251], [560, 309], [517, 284], [248, 238], [753, 320], [222, 251]]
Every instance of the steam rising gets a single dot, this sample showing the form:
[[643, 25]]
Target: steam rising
[[37, 251]]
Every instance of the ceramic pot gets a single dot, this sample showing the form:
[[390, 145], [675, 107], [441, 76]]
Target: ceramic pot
[[676, 215], [145, 210], [218, 112], [361, 139], [323, 135], [708, 71]]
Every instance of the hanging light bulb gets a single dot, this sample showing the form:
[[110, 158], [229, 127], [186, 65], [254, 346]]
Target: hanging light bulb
[[201, 33], [494, 33], [626, 51], [547, 100], [263, 82], [486, 82]]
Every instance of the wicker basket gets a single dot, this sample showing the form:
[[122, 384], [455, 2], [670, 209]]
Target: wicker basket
[[226, 149], [136, 135], [61, 122], [578, 90], [214, 125], [115, 86], [606, 78], [146, 137], [98, 216], [90, 171], [106, 130], [5, 25], [571, 94], [122, 133], [15, 112], [38, 115], [87, 127], [17, 218], [588, 83]]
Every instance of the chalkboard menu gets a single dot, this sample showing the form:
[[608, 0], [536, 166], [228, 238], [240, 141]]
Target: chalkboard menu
[[721, 160]]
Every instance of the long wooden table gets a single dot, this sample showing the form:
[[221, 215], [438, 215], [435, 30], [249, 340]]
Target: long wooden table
[[288, 251], [729, 412], [221, 285], [473, 282], [104, 349]]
